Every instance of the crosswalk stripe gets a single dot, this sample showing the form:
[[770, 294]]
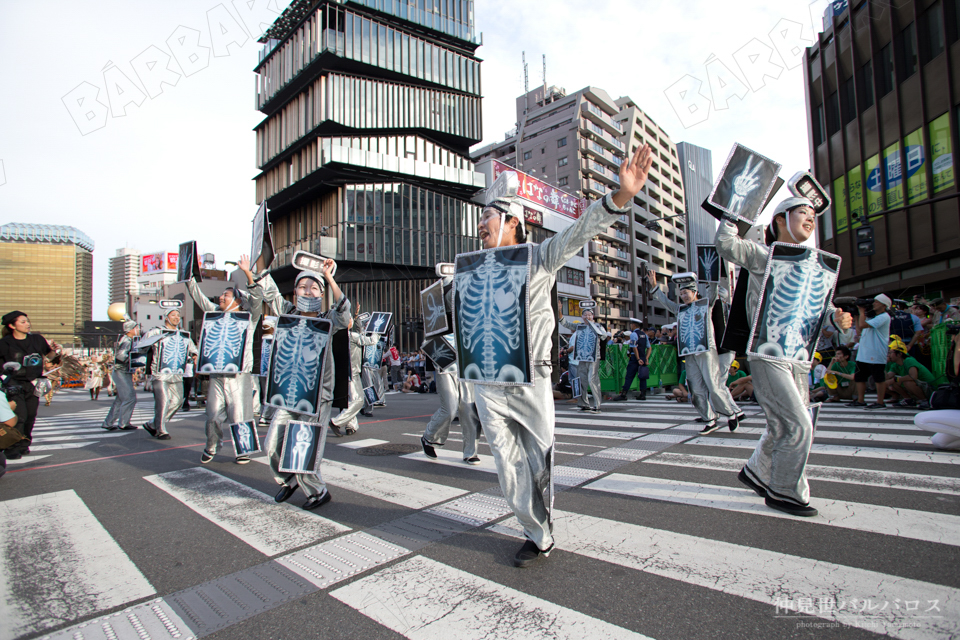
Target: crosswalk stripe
[[764, 576], [606, 422], [842, 450], [424, 599], [453, 458], [849, 435], [596, 433], [866, 477], [26, 459], [94, 436], [251, 516], [905, 523], [556, 448], [359, 444], [850, 425], [56, 551], [65, 445]]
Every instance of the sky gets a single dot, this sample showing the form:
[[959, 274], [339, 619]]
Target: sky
[[169, 158]]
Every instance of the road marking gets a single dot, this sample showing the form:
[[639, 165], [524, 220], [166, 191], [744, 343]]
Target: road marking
[[904, 523], [628, 424], [254, 517], [594, 433], [454, 459], [393, 488], [849, 435], [26, 459], [425, 599], [842, 450], [359, 444], [54, 447], [849, 424], [59, 564], [93, 436]]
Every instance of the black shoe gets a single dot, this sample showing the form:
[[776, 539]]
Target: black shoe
[[369, 414], [428, 449], [336, 430], [349, 432], [530, 553], [643, 396], [150, 430], [205, 457], [315, 501], [163, 436], [699, 420], [475, 460], [243, 459], [285, 492], [106, 428], [710, 427], [791, 508], [619, 398], [856, 403], [129, 427], [753, 486], [734, 422], [592, 410], [456, 419]]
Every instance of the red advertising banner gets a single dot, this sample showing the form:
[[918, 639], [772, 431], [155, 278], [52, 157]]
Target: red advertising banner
[[172, 259], [543, 194], [158, 262]]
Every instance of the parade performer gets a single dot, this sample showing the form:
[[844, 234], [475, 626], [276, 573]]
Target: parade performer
[[696, 343], [230, 395], [346, 420], [308, 302], [169, 357], [519, 421], [121, 411], [776, 470], [588, 342]]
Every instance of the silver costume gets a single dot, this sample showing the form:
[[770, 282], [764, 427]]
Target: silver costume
[[455, 397], [230, 396], [779, 461], [588, 372], [519, 421], [708, 395], [347, 418], [340, 315], [121, 411], [167, 386]]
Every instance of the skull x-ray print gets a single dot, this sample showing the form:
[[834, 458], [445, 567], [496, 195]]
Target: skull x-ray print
[[744, 183], [585, 347], [709, 264], [491, 315], [222, 342], [303, 444], [434, 310], [246, 438], [693, 336], [797, 286], [296, 364], [173, 351], [439, 352]]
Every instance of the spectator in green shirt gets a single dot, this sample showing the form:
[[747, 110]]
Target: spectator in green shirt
[[909, 380], [734, 373], [679, 392], [843, 371]]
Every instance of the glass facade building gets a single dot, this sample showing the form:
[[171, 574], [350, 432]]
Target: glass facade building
[[370, 110]]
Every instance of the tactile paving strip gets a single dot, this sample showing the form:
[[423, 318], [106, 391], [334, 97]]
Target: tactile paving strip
[[593, 461], [475, 509], [417, 530], [624, 454], [572, 477], [154, 620], [335, 560]]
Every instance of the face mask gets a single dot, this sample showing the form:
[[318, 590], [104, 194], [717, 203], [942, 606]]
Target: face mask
[[309, 305]]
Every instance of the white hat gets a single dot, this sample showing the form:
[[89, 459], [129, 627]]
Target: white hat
[[884, 298], [634, 320], [129, 326], [509, 206]]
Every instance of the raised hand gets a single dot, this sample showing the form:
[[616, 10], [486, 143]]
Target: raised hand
[[633, 175]]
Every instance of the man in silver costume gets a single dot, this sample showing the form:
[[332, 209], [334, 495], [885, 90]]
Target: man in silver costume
[[121, 411], [346, 420], [167, 385], [710, 397], [519, 421], [588, 372], [776, 470], [230, 396], [308, 301]]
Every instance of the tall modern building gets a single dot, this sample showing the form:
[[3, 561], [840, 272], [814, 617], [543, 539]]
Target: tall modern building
[[576, 142], [882, 96], [696, 167], [370, 108], [46, 271], [124, 270]]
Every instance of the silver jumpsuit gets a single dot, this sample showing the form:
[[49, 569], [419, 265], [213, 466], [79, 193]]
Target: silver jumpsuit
[[230, 396], [519, 421], [778, 463], [347, 419], [167, 387], [588, 372], [708, 394], [121, 411]]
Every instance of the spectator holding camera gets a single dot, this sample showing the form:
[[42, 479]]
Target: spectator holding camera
[[872, 355]]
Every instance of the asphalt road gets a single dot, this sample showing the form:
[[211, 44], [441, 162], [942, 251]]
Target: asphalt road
[[120, 535]]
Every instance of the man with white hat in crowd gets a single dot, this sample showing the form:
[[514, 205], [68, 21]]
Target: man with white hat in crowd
[[872, 352], [121, 411]]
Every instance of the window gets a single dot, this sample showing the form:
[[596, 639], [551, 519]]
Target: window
[[562, 162], [527, 155], [849, 103], [562, 142], [885, 71], [931, 33], [865, 82], [908, 51], [563, 181], [572, 276], [833, 113]]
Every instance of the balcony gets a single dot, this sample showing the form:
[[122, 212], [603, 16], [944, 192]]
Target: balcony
[[594, 187], [602, 270], [597, 115]]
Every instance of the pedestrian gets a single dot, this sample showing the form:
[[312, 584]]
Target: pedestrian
[[347, 418], [188, 378], [872, 352], [395, 363], [94, 381], [121, 411], [169, 357], [638, 362]]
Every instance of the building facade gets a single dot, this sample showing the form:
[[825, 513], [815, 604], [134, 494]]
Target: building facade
[[370, 110], [696, 168], [883, 93], [46, 271], [124, 270]]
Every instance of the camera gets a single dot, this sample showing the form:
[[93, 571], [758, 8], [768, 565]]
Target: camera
[[867, 304]]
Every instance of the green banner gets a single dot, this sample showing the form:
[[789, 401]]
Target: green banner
[[613, 368], [942, 153], [840, 203], [855, 193], [891, 164], [873, 192], [916, 172]]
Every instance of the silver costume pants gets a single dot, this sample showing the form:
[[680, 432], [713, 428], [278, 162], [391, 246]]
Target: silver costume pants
[[167, 400], [121, 411], [519, 425], [726, 359], [312, 485], [708, 394], [780, 458], [455, 396], [347, 419], [229, 400], [382, 386], [469, 419], [573, 371], [589, 373]]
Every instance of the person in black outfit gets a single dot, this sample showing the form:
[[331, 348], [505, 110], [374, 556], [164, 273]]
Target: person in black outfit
[[639, 356], [28, 350]]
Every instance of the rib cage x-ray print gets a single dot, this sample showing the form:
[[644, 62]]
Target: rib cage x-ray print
[[246, 437], [491, 315], [303, 444], [296, 364], [173, 352], [222, 342], [693, 336], [434, 310], [797, 286], [585, 347]]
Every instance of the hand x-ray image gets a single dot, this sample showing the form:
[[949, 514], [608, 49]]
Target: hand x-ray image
[[439, 352], [434, 310], [744, 183], [246, 438], [222, 342], [379, 322], [709, 264], [302, 443]]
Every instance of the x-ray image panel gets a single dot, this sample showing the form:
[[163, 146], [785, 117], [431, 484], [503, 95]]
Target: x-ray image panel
[[379, 322], [266, 347], [575, 387], [222, 341], [744, 183], [435, 320], [439, 352], [491, 315], [797, 286], [246, 438], [373, 354], [173, 351], [585, 347], [709, 264], [371, 395], [692, 319], [302, 447], [296, 363]]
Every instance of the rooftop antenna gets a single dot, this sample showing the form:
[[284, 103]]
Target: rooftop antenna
[[544, 79], [526, 109]]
